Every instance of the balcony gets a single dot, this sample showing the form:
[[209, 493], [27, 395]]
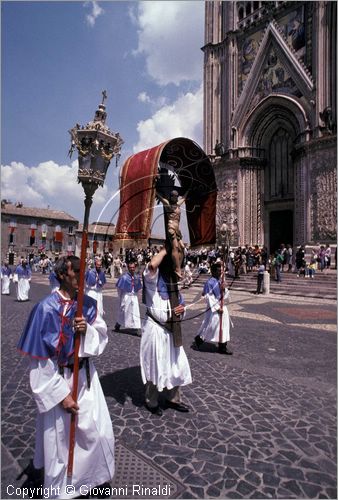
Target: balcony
[[246, 152]]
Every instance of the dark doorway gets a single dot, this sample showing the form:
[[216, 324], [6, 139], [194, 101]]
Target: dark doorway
[[11, 259], [281, 229]]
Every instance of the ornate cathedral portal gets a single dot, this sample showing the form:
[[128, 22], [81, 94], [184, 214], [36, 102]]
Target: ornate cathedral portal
[[270, 119]]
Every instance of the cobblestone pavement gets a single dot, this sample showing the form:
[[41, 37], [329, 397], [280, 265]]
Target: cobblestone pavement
[[262, 422]]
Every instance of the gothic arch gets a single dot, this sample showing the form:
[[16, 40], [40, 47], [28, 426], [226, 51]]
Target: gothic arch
[[269, 115]]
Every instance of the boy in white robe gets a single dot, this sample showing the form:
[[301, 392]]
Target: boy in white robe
[[164, 367], [128, 287], [95, 280], [216, 310], [6, 275], [22, 278], [51, 380]]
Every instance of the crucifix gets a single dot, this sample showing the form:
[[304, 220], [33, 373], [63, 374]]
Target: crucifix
[[169, 197], [172, 211], [104, 96]]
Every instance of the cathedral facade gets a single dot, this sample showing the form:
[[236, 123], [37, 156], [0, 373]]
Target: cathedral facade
[[270, 119]]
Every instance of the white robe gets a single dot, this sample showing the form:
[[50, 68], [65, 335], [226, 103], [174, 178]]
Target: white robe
[[209, 329], [94, 438], [22, 287], [162, 364], [129, 311], [187, 276], [98, 296], [5, 282], [231, 267]]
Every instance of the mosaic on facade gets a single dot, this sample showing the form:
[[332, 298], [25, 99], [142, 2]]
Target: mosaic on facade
[[294, 31], [248, 52]]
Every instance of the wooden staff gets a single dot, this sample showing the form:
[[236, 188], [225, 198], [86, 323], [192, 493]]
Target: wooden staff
[[222, 303], [79, 314], [222, 295]]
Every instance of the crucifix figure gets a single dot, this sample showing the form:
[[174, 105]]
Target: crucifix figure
[[172, 211], [104, 96]]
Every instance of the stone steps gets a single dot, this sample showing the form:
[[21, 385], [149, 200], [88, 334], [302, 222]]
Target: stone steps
[[323, 285]]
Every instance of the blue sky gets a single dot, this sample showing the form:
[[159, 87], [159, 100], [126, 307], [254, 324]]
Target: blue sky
[[57, 57]]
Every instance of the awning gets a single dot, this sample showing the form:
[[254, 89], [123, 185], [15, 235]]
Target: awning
[[137, 190]]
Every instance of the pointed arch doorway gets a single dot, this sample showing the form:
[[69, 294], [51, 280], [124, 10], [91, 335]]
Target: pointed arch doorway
[[279, 180], [273, 128]]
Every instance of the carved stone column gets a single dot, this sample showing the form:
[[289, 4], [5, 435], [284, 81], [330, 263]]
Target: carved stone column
[[250, 202], [227, 198], [301, 216], [322, 58]]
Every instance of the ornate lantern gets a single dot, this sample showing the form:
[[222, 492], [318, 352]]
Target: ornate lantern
[[96, 145]]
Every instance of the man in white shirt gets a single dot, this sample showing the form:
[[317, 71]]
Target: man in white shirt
[[48, 339]]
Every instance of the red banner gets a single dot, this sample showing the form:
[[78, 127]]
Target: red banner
[[137, 195], [58, 237], [201, 219]]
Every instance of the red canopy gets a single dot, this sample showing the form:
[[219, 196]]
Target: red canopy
[[137, 190]]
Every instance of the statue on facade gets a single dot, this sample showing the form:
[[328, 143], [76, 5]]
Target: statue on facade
[[219, 148], [327, 117]]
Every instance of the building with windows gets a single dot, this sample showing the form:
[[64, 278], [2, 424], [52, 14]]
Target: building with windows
[[27, 231], [270, 119], [100, 239]]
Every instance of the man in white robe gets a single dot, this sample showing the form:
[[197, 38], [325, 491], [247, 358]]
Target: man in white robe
[[164, 367], [95, 280], [51, 380], [216, 311], [117, 267], [187, 276], [128, 287], [6, 275], [22, 278]]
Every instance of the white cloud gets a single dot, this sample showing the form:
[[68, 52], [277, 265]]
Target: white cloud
[[155, 102], [183, 118], [55, 185], [96, 12], [170, 35], [143, 97]]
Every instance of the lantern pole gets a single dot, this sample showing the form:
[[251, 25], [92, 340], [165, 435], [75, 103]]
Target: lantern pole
[[224, 232], [96, 145]]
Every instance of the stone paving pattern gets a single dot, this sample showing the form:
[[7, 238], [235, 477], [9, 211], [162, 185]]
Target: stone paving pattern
[[263, 421]]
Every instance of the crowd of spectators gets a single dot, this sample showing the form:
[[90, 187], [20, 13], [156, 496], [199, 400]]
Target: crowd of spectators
[[241, 260]]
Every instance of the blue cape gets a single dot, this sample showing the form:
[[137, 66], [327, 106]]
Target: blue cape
[[125, 283], [94, 278], [49, 333], [6, 271], [23, 272], [212, 286]]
